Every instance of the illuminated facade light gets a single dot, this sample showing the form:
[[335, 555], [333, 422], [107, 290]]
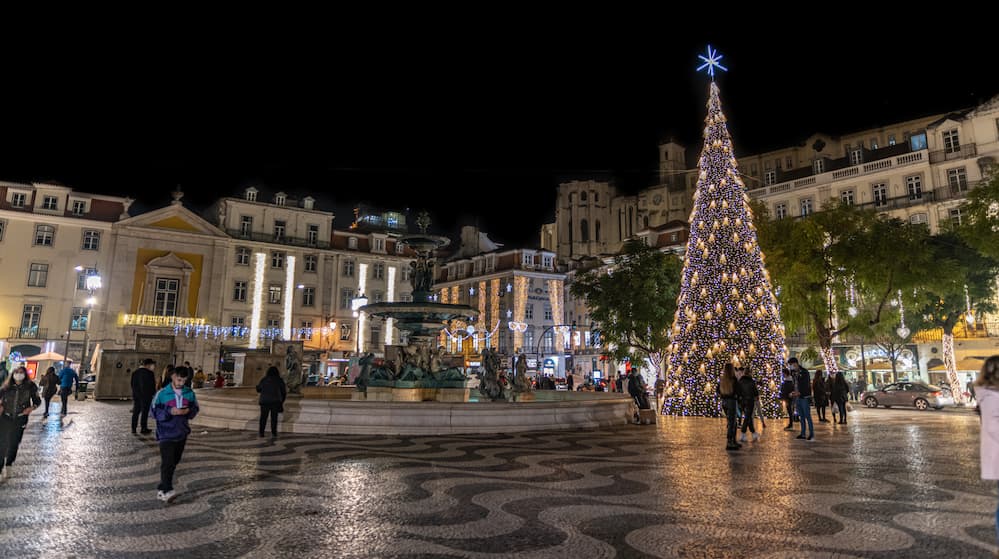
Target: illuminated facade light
[[259, 261], [289, 297]]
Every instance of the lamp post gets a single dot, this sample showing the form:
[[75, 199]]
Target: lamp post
[[537, 348], [93, 283]]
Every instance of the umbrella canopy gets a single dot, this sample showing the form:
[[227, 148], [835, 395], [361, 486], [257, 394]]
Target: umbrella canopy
[[966, 364], [47, 356]]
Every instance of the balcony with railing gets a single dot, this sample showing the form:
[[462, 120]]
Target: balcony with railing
[[278, 239], [24, 333], [878, 166], [963, 152]]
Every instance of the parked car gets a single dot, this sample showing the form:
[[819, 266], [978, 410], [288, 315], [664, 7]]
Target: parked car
[[916, 394]]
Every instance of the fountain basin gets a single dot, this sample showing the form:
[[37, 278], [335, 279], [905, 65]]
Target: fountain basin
[[237, 409]]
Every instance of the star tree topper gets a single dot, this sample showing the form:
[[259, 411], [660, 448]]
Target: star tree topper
[[710, 62]]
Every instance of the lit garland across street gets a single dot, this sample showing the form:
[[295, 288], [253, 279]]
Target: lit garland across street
[[726, 311]]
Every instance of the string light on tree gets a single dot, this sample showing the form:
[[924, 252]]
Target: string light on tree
[[969, 315], [902, 331], [726, 311], [851, 294]]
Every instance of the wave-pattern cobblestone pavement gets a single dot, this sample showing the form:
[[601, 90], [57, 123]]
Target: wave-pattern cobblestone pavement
[[892, 484]]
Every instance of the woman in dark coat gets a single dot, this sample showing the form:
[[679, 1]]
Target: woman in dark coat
[[272, 394], [820, 397], [50, 385], [840, 394]]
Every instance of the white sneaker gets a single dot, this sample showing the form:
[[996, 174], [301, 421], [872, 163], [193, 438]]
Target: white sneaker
[[8, 472], [166, 496], [742, 439], [3, 474], [756, 437]]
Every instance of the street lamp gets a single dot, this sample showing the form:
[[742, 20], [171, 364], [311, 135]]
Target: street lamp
[[92, 283]]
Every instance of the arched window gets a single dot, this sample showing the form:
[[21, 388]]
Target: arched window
[[582, 196], [596, 231], [584, 231]]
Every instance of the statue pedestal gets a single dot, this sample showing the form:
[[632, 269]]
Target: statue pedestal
[[452, 394], [412, 394], [523, 397], [358, 396], [379, 394]]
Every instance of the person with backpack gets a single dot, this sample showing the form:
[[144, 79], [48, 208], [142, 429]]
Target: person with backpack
[[272, 395]]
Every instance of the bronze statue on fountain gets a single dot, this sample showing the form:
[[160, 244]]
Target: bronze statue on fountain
[[419, 363]]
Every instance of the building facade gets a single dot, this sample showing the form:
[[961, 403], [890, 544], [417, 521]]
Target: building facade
[[51, 239], [520, 296]]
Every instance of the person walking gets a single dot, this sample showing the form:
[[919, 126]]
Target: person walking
[[726, 390], [786, 388], [173, 407], [68, 379], [820, 396], [803, 397], [570, 381], [272, 394], [748, 394], [988, 404], [143, 390], [49, 385], [18, 398], [840, 394]]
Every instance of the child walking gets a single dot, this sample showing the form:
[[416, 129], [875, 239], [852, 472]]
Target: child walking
[[173, 407]]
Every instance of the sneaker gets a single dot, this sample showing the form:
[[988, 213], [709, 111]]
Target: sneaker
[[742, 439], [810, 438], [789, 428], [732, 447], [8, 472], [146, 431], [756, 437], [800, 437], [166, 496], [3, 474]]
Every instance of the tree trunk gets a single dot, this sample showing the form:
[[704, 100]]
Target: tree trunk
[[863, 362], [825, 337], [951, 364]]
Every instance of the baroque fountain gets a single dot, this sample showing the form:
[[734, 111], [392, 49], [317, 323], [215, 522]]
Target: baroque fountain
[[416, 371], [413, 391]]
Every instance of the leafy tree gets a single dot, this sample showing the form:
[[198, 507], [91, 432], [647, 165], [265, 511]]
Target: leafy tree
[[980, 223], [838, 269], [960, 275], [633, 302]]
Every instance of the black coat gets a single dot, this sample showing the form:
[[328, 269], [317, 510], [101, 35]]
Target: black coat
[[272, 390], [746, 390], [50, 385], [840, 390], [786, 388], [143, 384], [16, 397]]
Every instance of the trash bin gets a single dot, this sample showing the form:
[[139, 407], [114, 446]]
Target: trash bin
[[81, 391]]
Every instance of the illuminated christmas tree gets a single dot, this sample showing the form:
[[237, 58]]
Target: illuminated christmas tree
[[726, 312]]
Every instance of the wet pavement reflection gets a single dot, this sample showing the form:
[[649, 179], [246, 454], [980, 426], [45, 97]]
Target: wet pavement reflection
[[891, 483]]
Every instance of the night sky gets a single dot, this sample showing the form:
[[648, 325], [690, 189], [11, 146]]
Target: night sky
[[474, 124]]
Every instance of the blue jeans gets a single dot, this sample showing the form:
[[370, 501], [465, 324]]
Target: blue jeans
[[804, 407]]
